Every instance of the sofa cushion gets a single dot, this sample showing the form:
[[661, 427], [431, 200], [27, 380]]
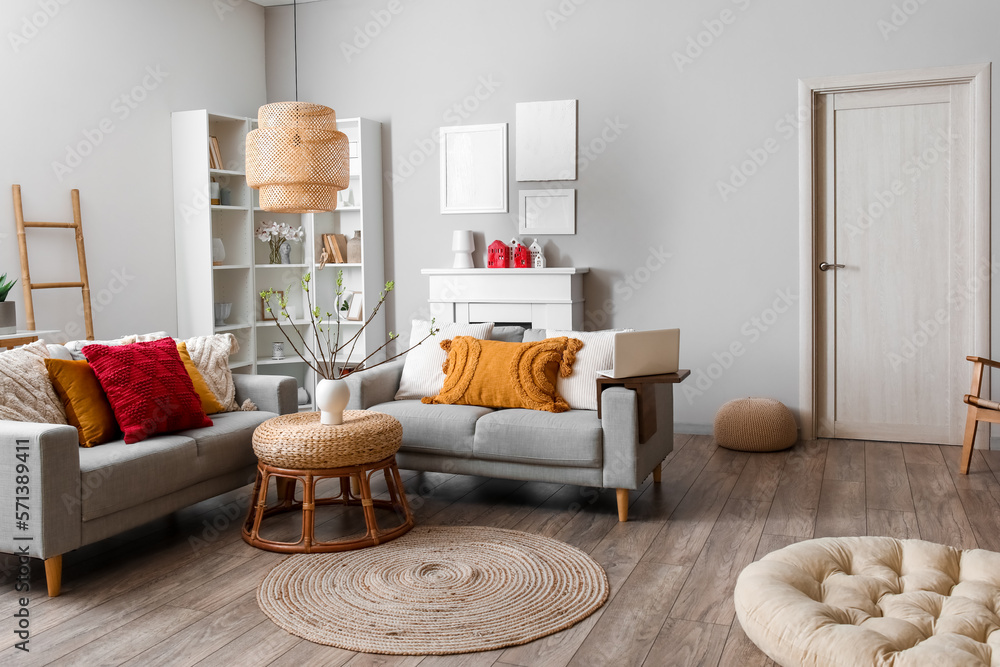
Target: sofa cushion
[[571, 438], [422, 372], [148, 388], [506, 375], [435, 429], [508, 334], [116, 476], [226, 445], [87, 408]]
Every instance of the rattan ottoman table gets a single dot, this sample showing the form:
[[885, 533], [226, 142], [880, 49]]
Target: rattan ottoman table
[[297, 448]]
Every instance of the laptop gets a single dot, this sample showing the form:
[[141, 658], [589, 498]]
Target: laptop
[[645, 353]]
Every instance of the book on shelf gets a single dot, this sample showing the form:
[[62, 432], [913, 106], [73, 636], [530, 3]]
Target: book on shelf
[[336, 247], [214, 154]]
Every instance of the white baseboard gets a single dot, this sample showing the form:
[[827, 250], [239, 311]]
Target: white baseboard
[[693, 429]]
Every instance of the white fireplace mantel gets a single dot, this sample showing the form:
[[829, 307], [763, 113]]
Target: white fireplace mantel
[[550, 298]]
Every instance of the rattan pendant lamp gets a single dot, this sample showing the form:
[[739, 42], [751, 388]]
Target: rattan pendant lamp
[[296, 157]]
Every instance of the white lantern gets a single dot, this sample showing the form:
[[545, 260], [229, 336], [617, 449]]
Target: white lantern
[[537, 256]]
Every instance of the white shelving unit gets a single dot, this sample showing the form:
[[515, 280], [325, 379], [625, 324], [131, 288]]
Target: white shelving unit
[[246, 270]]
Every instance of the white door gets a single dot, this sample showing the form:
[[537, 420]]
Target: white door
[[896, 319]]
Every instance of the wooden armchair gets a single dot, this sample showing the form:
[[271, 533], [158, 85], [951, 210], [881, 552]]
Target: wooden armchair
[[980, 409]]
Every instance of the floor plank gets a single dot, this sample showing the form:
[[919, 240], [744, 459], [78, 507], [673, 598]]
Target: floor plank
[[684, 535], [887, 485], [760, 477], [707, 593], [631, 623], [940, 514], [687, 643], [741, 652], [793, 510], [886, 523], [842, 510], [846, 461]]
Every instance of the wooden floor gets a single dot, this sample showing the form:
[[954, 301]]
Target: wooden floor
[[182, 591]]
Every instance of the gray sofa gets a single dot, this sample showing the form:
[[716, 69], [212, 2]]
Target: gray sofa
[[77, 496], [573, 447]]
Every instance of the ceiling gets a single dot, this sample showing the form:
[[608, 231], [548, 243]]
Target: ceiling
[[277, 3]]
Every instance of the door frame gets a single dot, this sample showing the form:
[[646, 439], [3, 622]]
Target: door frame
[[810, 92]]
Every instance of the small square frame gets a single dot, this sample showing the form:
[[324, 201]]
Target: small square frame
[[547, 212]]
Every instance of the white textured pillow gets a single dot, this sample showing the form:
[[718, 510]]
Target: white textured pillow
[[597, 354], [25, 387], [422, 369], [210, 355], [75, 347]]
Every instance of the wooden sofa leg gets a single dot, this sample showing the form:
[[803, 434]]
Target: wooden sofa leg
[[53, 575], [658, 472], [970, 440], [622, 504]]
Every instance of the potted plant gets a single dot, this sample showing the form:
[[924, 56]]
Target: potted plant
[[323, 352], [8, 312]]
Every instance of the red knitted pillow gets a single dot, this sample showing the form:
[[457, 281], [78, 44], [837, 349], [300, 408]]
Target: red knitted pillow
[[149, 390]]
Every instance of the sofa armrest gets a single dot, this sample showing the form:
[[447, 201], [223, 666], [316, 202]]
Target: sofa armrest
[[378, 385], [627, 462], [50, 455], [271, 393]]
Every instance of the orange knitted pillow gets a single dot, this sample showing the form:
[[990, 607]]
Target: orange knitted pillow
[[495, 374]]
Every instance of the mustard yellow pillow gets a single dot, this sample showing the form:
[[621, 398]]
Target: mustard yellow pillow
[[495, 374], [87, 407], [209, 403]]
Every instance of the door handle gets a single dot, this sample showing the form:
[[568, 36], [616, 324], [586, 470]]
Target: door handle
[[823, 266]]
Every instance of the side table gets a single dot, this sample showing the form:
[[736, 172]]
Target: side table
[[645, 391], [297, 448]]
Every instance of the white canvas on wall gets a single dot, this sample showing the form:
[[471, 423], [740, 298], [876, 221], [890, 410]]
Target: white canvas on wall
[[547, 211], [474, 169], [546, 141]]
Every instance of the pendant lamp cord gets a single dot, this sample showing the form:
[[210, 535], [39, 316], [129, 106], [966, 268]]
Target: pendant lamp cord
[[295, 45]]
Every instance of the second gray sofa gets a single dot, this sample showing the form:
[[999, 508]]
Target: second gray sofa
[[573, 447]]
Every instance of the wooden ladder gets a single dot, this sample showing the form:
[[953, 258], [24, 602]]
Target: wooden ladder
[[22, 242]]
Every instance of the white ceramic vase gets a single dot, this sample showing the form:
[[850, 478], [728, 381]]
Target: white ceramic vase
[[331, 399]]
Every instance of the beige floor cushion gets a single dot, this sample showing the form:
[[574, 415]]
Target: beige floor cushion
[[852, 601]]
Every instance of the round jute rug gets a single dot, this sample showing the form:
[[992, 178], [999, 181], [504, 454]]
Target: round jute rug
[[435, 591]]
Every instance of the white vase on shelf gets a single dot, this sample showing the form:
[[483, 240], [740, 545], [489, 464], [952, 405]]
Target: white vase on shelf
[[331, 399]]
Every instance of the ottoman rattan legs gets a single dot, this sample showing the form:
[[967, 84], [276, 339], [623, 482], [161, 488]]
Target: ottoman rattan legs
[[349, 476]]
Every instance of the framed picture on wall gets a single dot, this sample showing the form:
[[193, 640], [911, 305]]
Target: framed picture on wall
[[354, 311], [474, 169], [546, 139], [547, 212]]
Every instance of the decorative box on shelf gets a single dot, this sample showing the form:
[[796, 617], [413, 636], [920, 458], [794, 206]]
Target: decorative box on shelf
[[550, 298]]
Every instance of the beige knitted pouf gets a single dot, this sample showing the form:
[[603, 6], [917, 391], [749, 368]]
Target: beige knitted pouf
[[755, 425]]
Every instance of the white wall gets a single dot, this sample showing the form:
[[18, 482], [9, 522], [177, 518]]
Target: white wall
[[655, 185], [67, 78]]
